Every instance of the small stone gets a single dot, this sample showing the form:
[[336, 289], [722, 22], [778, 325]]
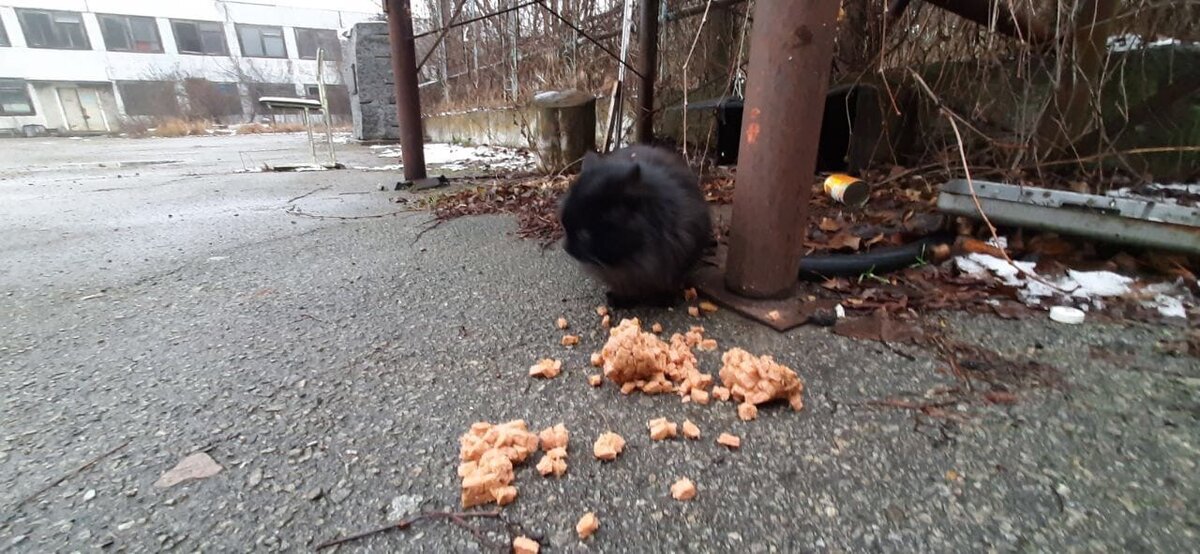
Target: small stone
[[89, 495], [339, 494], [314, 494], [255, 479], [125, 526], [403, 506]]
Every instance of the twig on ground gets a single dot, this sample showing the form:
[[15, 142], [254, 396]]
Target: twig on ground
[[293, 210], [457, 517], [69, 474]]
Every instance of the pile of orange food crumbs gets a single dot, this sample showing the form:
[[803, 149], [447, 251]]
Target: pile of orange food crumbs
[[683, 489], [747, 411], [525, 545], [608, 446], [759, 379], [546, 369], [720, 393], [690, 430], [570, 340], [488, 453], [562, 323], [732, 441], [637, 360], [587, 525], [662, 429], [554, 437]]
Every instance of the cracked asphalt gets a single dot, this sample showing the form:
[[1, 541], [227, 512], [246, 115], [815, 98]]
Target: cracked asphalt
[[329, 363]]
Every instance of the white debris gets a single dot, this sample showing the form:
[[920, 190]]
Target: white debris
[[452, 157], [1099, 283], [1067, 315]]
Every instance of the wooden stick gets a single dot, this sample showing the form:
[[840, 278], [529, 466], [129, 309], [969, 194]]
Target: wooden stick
[[76, 471]]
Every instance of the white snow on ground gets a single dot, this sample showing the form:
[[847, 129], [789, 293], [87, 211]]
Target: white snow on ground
[[1084, 289], [452, 157]]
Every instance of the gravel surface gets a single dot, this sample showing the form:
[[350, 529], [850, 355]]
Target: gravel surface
[[329, 365]]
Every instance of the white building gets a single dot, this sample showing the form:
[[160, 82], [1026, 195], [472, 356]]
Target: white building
[[88, 66]]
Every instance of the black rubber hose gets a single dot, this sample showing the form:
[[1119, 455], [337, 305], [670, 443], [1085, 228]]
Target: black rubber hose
[[877, 261]]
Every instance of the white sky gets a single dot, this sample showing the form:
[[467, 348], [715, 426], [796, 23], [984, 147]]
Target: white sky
[[369, 6]]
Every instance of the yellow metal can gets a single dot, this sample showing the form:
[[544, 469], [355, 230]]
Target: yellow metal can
[[848, 190]]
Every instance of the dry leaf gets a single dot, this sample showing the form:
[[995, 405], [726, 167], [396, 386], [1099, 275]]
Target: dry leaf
[[195, 466]]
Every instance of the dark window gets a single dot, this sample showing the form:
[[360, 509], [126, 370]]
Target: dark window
[[14, 98], [209, 100], [52, 29], [308, 40], [338, 97], [259, 90], [152, 98], [200, 37], [4, 36], [130, 33], [261, 42]]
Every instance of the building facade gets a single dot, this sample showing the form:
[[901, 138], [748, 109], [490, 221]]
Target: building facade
[[92, 66]]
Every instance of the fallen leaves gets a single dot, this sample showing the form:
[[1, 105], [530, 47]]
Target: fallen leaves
[[879, 326], [195, 466]]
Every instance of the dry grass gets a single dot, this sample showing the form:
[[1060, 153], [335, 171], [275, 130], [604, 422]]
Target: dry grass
[[180, 128]]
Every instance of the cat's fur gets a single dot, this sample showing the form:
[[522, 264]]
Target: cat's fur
[[636, 219]]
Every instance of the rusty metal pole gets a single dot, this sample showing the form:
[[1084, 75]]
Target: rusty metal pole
[[648, 67], [790, 52], [408, 100]]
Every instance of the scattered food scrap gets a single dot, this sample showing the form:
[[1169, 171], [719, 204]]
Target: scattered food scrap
[[683, 489], [601, 311], [690, 430], [570, 340], [608, 446], [708, 307], [747, 411], [732, 441], [661, 429], [720, 393], [546, 369], [690, 294], [597, 360], [700, 396], [606, 322], [693, 311], [774, 315], [553, 462], [707, 345], [562, 323], [525, 545], [759, 379], [587, 525], [554, 437], [488, 453], [641, 361], [595, 380], [656, 328]]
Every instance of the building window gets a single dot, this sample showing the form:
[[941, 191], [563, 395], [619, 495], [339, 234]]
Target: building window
[[129, 33], [52, 29], [4, 36], [209, 100], [338, 97], [14, 98], [261, 42], [308, 40], [206, 38], [150, 98]]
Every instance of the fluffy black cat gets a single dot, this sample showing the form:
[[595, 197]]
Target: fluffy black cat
[[636, 219]]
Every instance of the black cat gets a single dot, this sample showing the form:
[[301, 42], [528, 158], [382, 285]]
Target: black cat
[[636, 219]]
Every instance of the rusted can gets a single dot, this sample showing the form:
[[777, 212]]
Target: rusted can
[[848, 190]]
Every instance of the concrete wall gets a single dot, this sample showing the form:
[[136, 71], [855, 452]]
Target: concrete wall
[[372, 92], [98, 65]]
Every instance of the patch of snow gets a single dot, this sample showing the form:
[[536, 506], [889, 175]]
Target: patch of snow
[[1130, 41], [1099, 283], [453, 157]]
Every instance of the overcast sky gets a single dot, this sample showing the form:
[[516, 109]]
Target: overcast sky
[[371, 6]]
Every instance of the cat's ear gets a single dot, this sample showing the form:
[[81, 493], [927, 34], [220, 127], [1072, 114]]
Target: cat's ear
[[589, 160]]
